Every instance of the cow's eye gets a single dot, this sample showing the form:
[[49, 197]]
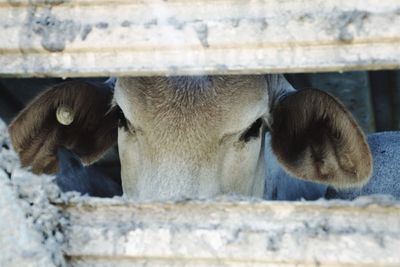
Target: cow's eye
[[252, 132], [122, 121]]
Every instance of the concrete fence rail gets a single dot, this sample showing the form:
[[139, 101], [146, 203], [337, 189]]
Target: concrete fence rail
[[121, 37], [233, 233]]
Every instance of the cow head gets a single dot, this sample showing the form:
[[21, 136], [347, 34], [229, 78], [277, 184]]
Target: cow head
[[195, 136]]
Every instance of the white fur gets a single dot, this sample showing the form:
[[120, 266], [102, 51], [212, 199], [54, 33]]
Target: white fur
[[198, 154]]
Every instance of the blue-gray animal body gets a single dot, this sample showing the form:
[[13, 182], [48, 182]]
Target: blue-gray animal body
[[385, 148]]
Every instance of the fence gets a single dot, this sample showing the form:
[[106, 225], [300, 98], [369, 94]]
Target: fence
[[77, 38]]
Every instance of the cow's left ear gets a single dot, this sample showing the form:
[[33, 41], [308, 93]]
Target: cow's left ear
[[76, 115], [315, 138]]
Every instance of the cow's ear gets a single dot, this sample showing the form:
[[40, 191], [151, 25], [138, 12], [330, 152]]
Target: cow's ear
[[315, 138], [75, 115]]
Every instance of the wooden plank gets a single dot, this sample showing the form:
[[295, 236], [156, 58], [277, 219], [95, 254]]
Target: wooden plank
[[155, 37], [235, 233]]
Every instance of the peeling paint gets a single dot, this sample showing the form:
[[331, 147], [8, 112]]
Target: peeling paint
[[345, 36], [150, 23], [307, 17], [274, 241], [85, 32], [262, 23], [126, 23], [54, 32], [350, 23], [235, 22], [101, 25], [202, 34], [37, 2], [176, 23]]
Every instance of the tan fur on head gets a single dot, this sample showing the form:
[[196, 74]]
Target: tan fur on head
[[187, 139]]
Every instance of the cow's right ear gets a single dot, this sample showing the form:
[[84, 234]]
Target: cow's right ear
[[315, 138], [75, 115]]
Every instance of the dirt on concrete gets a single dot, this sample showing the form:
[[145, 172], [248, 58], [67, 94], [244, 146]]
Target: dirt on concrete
[[30, 226]]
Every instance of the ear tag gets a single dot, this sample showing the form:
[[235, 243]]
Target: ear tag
[[65, 115]]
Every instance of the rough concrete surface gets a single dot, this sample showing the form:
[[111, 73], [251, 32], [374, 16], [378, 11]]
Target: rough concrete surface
[[103, 38], [30, 226], [234, 232]]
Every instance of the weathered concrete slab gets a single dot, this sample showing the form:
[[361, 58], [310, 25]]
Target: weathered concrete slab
[[30, 234], [234, 233], [102, 38], [20, 244]]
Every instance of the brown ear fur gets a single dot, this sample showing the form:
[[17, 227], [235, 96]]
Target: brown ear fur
[[36, 134], [315, 138]]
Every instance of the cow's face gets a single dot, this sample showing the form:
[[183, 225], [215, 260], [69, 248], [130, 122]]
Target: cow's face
[[196, 136], [192, 136]]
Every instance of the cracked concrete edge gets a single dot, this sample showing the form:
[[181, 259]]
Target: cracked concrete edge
[[100, 38], [30, 226], [20, 243], [233, 231]]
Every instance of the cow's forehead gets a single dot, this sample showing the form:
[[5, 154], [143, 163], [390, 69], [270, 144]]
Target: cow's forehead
[[228, 102]]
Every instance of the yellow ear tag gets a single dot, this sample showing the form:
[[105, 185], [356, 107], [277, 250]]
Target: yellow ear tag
[[65, 115]]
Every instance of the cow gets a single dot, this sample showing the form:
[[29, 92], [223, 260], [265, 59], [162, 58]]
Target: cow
[[195, 136]]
